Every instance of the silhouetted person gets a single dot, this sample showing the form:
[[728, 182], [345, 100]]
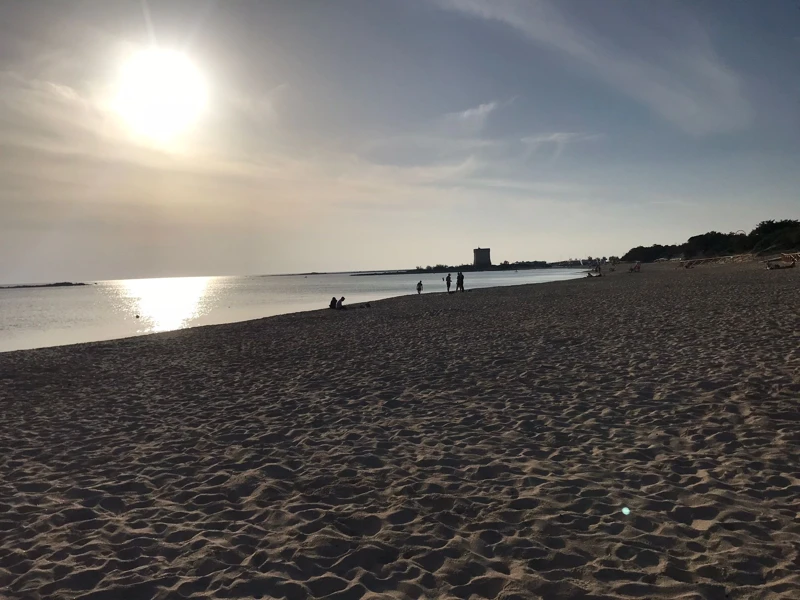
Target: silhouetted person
[[333, 303], [460, 281], [449, 281], [340, 304], [419, 287]]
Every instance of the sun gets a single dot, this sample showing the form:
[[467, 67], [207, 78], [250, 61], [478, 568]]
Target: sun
[[160, 93]]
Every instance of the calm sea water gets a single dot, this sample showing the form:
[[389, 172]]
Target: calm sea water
[[39, 317]]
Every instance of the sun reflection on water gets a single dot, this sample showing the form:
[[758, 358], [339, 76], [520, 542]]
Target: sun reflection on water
[[167, 304]]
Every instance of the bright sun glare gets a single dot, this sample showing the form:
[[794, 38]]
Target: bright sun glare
[[160, 93]]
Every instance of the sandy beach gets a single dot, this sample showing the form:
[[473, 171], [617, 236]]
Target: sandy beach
[[633, 436]]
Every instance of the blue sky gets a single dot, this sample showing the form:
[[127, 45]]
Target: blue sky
[[387, 134]]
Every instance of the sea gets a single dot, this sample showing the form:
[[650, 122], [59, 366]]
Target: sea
[[104, 310]]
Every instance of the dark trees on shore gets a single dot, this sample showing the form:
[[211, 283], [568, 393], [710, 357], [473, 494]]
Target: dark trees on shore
[[767, 236]]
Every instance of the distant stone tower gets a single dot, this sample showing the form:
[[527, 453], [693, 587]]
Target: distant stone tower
[[482, 258]]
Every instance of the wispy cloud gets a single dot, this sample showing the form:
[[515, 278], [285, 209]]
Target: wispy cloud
[[557, 141], [470, 121], [448, 138], [64, 136], [477, 113], [674, 72], [48, 121], [459, 150]]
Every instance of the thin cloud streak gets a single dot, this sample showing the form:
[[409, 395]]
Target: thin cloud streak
[[558, 141], [686, 84], [470, 121], [477, 113]]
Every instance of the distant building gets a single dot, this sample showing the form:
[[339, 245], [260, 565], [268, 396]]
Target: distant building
[[482, 258]]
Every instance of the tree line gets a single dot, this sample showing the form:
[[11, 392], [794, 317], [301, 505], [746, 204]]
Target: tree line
[[503, 266], [768, 236]]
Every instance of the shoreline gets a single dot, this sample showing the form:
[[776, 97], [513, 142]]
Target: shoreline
[[630, 436], [356, 306], [462, 268]]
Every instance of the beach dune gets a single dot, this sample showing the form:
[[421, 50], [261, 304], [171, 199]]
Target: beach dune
[[630, 436]]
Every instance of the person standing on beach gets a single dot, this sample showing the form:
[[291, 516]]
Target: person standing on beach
[[419, 287], [460, 281], [449, 280]]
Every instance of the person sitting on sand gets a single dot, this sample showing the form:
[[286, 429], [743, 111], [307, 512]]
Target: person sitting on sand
[[419, 287], [340, 304], [333, 303]]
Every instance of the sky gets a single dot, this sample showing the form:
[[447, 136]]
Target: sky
[[379, 134]]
